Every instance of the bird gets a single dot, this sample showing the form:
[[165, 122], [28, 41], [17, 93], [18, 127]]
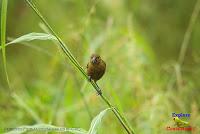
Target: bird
[[96, 68]]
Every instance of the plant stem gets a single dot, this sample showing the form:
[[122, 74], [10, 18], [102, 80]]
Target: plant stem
[[188, 32], [116, 114], [3, 14], [45, 29], [77, 65]]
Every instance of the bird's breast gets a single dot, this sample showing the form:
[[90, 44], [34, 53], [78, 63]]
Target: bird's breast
[[96, 71]]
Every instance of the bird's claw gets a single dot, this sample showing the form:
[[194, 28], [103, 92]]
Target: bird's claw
[[99, 92], [90, 78]]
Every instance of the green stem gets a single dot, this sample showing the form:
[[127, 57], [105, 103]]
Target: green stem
[[44, 28], [125, 120], [116, 114], [3, 13], [75, 62], [188, 32]]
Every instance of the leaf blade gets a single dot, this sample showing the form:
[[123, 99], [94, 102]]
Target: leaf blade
[[97, 121], [33, 36]]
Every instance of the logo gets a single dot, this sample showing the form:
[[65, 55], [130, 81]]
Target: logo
[[181, 122], [180, 115]]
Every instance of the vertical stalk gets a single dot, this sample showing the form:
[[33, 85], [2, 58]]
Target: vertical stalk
[[4, 5], [77, 65]]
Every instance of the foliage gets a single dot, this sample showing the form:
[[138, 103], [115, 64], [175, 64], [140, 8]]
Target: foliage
[[139, 40]]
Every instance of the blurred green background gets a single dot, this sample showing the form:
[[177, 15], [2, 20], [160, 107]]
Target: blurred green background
[[140, 40]]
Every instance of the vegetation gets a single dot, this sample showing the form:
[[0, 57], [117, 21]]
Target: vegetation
[[151, 52]]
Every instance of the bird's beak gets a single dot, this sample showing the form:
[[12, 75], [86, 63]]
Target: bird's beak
[[93, 60]]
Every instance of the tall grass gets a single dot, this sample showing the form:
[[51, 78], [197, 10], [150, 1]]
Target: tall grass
[[45, 29], [119, 116], [3, 36], [185, 43], [188, 32]]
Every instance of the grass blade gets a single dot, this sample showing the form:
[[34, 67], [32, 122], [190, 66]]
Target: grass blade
[[33, 36], [45, 29], [3, 35], [96, 122], [188, 32], [77, 65]]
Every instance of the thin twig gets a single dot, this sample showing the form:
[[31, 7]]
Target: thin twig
[[77, 65]]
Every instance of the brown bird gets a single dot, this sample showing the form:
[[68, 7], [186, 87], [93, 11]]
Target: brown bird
[[96, 68]]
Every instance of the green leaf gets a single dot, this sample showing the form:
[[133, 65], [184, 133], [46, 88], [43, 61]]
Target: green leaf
[[96, 122], [45, 128], [33, 36]]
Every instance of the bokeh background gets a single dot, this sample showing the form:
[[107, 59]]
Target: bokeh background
[[140, 40]]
